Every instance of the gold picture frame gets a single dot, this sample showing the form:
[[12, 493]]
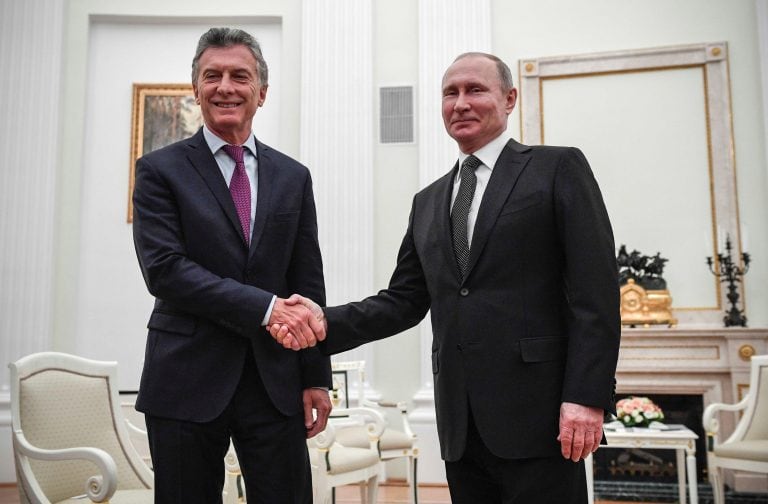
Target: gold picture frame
[[161, 114]]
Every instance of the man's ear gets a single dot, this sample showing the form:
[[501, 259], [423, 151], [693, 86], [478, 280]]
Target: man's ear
[[262, 95], [511, 100]]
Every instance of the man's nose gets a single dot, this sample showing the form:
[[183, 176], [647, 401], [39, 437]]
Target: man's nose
[[225, 85], [461, 102]]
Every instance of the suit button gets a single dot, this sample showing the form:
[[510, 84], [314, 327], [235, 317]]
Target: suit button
[[464, 292]]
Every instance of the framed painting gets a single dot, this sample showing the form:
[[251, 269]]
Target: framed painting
[[161, 114]]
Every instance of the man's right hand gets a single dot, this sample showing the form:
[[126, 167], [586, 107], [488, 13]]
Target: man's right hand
[[301, 327], [288, 337]]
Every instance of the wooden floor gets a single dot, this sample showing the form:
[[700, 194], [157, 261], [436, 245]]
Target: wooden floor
[[388, 494]]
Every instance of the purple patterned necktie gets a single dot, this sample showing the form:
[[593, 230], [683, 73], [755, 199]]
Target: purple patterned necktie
[[240, 189]]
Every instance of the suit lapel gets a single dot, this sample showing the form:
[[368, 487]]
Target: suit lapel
[[507, 170], [267, 170], [202, 160]]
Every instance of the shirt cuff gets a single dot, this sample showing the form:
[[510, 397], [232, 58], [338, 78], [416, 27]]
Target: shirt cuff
[[269, 312]]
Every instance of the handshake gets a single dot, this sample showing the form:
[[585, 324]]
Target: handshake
[[297, 322]]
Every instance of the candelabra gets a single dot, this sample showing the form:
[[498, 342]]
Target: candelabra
[[729, 272]]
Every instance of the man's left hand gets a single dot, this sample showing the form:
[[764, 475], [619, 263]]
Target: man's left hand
[[320, 401], [581, 429]]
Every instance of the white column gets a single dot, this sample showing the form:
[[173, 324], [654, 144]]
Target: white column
[[31, 40], [337, 143], [447, 28]]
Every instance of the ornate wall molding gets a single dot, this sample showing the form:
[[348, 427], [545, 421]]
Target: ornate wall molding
[[720, 214]]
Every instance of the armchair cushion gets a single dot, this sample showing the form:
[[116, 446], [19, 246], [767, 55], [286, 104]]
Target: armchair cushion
[[751, 450], [391, 439], [342, 459]]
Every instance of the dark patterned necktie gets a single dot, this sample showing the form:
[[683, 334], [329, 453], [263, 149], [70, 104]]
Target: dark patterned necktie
[[460, 212], [240, 189]]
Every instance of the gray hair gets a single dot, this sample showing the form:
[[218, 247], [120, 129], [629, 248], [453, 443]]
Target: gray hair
[[228, 37], [505, 75]]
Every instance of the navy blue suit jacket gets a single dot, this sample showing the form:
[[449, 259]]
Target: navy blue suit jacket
[[536, 320], [211, 290]]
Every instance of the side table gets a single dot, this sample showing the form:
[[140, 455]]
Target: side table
[[682, 440]]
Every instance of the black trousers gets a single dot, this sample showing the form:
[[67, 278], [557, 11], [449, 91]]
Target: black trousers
[[480, 477], [188, 457]]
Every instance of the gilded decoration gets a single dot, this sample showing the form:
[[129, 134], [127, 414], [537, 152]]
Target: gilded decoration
[[644, 298]]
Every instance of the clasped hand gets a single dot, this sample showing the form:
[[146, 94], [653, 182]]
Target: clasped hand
[[297, 322]]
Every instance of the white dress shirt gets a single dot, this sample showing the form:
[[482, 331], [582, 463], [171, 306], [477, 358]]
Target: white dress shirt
[[488, 155]]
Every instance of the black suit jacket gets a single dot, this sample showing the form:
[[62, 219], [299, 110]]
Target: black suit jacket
[[211, 290], [535, 322]]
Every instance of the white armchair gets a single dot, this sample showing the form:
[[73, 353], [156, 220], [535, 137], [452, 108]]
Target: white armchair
[[70, 440], [334, 465], [747, 448], [395, 442]]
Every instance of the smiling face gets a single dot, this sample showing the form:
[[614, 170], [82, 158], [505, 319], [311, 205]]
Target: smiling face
[[475, 107], [229, 91]]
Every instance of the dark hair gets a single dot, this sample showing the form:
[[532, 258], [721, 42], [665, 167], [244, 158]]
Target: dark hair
[[227, 37], [505, 75]]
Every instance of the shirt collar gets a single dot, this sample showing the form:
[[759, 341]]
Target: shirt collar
[[490, 152], [215, 143]]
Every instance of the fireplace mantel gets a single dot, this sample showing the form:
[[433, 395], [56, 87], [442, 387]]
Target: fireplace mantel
[[679, 360]]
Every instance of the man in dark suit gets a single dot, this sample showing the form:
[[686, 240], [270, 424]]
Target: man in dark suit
[[513, 252], [225, 228]]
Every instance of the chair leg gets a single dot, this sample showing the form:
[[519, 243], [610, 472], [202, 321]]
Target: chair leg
[[716, 480], [414, 482], [373, 489]]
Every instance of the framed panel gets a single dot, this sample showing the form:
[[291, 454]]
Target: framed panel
[[656, 127], [161, 114]]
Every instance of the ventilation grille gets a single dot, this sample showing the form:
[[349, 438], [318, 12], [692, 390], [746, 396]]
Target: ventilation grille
[[396, 114]]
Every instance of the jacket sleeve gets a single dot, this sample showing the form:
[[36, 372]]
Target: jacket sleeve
[[591, 282], [400, 306]]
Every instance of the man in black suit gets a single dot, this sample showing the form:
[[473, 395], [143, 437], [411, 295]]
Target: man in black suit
[[225, 228], [514, 255]]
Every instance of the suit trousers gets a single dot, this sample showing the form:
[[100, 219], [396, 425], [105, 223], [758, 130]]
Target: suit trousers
[[482, 477], [188, 457]]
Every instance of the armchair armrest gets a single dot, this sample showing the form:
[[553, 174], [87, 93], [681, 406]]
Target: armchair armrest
[[98, 488], [343, 417], [403, 407], [710, 422]]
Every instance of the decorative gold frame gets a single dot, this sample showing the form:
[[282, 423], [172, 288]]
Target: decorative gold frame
[[143, 95]]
